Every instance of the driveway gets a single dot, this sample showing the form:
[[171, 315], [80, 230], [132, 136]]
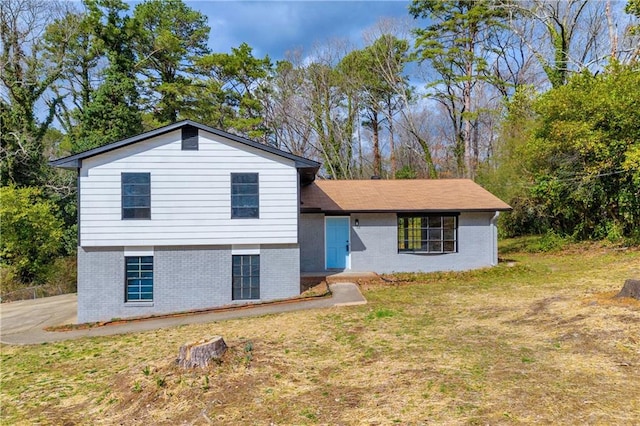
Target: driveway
[[23, 322]]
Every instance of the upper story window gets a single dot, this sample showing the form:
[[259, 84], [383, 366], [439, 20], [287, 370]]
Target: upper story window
[[136, 195], [244, 195], [427, 233]]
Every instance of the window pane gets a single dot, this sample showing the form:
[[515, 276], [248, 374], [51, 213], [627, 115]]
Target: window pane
[[139, 278], [246, 277], [427, 233], [244, 200], [131, 201], [136, 213], [245, 189], [136, 178], [435, 221], [244, 195], [130, 190], [136, 196], [449, 222], [239, 178], [244, 212]]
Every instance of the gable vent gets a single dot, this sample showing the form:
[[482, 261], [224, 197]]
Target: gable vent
[[189, 138]]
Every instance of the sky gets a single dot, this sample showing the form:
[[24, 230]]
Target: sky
[[273, 27]]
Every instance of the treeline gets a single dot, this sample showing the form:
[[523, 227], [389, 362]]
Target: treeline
[[537, 100]]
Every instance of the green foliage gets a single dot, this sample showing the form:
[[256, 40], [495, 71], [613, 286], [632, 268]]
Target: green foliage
[[231, 96], [80, 66], [540, 243], [380, 313], [161, 381], [170, 37], [366, 76], [583, 150], [579, 162], [248, 352], [406, 172], [504, 173], [28, 70], [457, 45], [333, 137], [113, 111], [633, 8], [31, 233]]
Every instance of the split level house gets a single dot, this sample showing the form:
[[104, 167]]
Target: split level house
[[189, 217]]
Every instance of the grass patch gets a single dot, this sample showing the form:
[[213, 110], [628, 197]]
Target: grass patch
[[549, 242], [508, 344]]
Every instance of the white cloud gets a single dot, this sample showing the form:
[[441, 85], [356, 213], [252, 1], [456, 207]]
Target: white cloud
[[274, 27]]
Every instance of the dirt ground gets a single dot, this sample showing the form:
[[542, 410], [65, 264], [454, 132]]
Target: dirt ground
[[538, 339]]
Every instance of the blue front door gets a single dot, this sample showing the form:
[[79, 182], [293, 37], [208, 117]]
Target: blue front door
[[337, 241]]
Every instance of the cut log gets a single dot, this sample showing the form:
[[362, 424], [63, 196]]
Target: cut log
[[631, 288], [200, 353]]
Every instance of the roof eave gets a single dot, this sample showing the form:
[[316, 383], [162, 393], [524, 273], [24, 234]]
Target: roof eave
[[65, 164], [347, 211], [71, 161]]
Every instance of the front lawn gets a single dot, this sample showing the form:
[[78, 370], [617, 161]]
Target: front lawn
[[538, 339]]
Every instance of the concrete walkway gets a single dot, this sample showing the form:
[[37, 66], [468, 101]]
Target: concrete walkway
[[23, 322]]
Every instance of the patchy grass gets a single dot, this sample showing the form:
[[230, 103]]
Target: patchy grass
[[538, 339]]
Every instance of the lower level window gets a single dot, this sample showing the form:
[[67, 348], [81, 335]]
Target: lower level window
[[427, 233], [139, 285], [246, 277]]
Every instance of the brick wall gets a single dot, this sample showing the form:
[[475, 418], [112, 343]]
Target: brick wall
[[279, 271], [374, 246], [185, 278], [312, 242]]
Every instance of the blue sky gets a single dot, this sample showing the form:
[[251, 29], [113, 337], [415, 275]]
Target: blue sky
[[274, 27]]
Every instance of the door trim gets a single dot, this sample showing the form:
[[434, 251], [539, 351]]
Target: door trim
[[348, 260]]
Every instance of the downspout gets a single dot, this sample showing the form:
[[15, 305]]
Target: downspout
[[78, 201], [494, 238]]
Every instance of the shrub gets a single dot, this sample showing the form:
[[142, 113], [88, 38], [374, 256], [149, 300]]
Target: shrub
[[31, 233]]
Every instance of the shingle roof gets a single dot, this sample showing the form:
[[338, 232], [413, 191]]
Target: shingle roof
[[450, 195]]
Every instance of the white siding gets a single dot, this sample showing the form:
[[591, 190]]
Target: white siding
[[190, 195]]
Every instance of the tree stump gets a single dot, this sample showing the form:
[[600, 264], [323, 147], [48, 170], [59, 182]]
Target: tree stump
[[200, 353], [631, 288]]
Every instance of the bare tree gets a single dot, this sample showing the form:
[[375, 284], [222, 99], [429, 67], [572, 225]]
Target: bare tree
[[563, 35], [27, 73], [285, 107], [391, 36]]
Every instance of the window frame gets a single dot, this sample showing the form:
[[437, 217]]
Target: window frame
[[146, 209], [237, 273], [425, 239], [237, 192], [148, 260], [190, 138]]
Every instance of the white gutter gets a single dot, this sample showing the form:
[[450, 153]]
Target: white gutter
[[494, 237]]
